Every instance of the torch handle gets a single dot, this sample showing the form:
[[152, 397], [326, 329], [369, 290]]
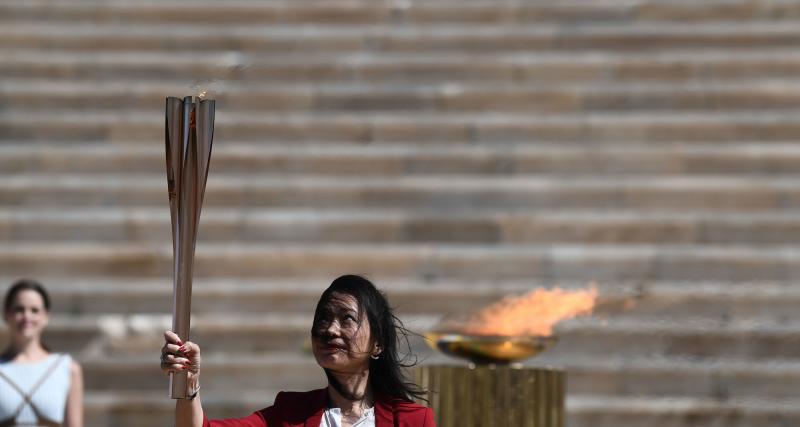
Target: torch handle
[[181, 315], [182, 299]]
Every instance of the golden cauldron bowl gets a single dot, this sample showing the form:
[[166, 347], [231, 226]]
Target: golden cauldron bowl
[[489, 349]]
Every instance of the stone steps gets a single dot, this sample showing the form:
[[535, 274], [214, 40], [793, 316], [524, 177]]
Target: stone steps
[[362, 12], [136, 312], [717, 379], [720, 302], [673, 411], [347, 38], [750, 342], [766, 95], [154, 408], [653, 127], [455, 151], [229, 372], [258, 296], [433, 193], [510, 68], [142, 226], [418, 261], [384, 160], [677, 377]]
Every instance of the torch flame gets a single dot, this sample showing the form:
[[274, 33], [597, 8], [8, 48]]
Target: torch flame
[[532, 314]]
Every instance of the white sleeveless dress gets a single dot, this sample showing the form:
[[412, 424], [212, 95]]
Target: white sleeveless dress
[[34, 394]]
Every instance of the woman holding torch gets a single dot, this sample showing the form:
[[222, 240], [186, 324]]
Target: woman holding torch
[[354, 339], [37, 387]]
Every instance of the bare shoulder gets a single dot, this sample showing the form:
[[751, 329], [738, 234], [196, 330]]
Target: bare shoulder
[[75, 369]]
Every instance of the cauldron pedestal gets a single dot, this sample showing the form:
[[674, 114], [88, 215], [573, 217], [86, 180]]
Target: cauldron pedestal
[[494, 395]]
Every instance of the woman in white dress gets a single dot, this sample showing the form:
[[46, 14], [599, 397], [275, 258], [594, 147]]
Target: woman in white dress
[[37, 387]]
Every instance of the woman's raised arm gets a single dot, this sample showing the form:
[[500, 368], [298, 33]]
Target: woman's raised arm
[[177, 356]]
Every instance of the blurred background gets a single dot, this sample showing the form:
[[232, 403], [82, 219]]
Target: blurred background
[[454, 151]]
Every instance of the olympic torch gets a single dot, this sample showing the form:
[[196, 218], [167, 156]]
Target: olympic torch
[[189, 133]]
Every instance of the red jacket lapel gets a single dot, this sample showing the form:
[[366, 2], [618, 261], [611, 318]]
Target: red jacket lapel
[[318, 405], [384, 416]]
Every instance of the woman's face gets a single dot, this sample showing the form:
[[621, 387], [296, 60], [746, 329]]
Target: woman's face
[[27, 316], [342, 340]]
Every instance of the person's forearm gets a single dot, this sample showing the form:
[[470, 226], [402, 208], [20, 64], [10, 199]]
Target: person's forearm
[[189, 413]]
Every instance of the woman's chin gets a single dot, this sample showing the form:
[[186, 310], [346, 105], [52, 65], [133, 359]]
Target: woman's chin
[[27, 333], [330, 360], [340, 364]]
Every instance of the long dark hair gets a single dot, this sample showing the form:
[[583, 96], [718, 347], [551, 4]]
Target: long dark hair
[[386, 372]]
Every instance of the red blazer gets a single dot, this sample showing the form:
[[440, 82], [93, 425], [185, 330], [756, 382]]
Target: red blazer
[[304, 409]]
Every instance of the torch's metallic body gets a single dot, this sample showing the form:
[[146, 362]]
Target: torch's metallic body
[[189, 133]]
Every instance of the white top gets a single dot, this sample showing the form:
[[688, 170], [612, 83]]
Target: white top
[[333, 418], [49, 399]]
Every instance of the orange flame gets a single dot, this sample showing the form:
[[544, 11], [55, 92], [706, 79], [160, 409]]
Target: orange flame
[[532, 314]]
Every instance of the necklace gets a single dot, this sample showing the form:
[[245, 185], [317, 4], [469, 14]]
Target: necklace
[[362, 421]]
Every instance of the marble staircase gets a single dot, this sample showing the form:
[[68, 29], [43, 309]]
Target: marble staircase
[[453, 151]]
